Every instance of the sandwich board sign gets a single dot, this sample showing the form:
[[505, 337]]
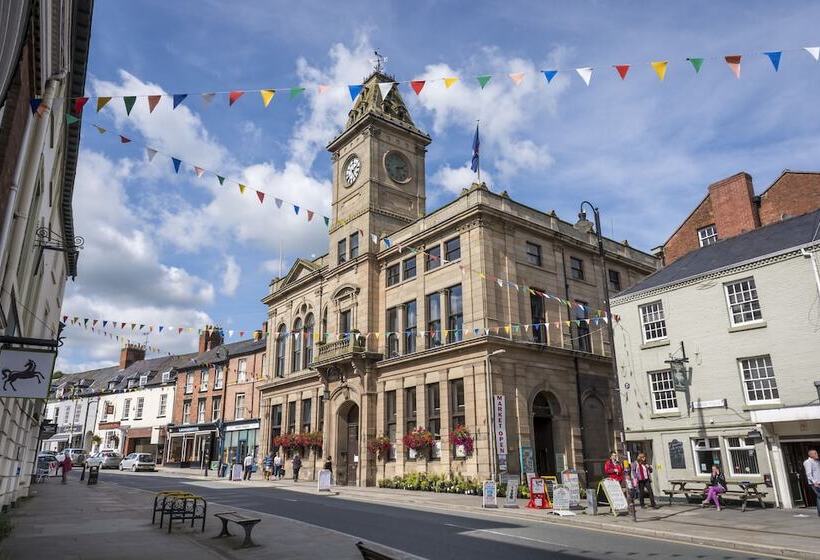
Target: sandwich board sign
[[569, 478], [511, 498], [615, 496], [489, 496], [26, 373], [324, 481], [561, 501]]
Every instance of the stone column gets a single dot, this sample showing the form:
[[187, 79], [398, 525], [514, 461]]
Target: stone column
[[367, 421]]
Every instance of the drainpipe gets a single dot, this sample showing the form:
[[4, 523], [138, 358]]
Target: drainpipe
[[810, 255]]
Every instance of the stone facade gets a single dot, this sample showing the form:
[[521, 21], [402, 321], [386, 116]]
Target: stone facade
[[418, 331]]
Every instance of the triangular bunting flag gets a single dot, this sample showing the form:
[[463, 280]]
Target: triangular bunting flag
[[278, 202], [585, 73], [180, 329], [261, 196], [550, 74], [267, 95], [323, 88], [384, 88], [623, 70], [417, 85], [734, 64], [129, 101], [180, 97], [449, 82], [296, 209], [71, 119], [483, 80], [696, 64], [234, 96], [659, 67], [207, 98], [153, 101], [100, 129], [79, 103], [774, 56], [374, 238], [327, 220], [814, 51], [105, 323], [310, 215], [102, 102], [124, 139], [151, 153], [296, 91], [176, 162], [199, 171], [241, 188], [221, 179], [354, 91], [517, 77]]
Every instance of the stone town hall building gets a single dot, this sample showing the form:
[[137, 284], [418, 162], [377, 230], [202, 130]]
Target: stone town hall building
[[355, 387]]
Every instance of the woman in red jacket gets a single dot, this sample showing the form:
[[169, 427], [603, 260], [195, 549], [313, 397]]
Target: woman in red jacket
[[614, 469]]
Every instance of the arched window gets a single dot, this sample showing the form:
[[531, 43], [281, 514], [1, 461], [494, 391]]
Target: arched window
[[296, 362], [324, 325], [308, 340], [281, 348]]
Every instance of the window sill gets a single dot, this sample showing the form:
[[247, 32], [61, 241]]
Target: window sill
[[748, 326], [762, 405], [669, 414], [655, 344]]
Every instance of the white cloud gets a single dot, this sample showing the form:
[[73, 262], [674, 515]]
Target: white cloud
[[231, 276], [454, 179]]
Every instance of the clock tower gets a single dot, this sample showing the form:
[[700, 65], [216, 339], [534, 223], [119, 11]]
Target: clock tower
[[378, 169]]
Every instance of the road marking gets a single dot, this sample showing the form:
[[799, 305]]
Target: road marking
[[508, 535]]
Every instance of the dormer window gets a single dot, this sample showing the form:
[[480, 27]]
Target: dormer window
[[166, 376], [132, 383], [111, 385], [143, 380]]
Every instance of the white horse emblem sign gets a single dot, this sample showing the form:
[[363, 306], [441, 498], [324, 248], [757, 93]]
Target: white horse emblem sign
[[25, 373]]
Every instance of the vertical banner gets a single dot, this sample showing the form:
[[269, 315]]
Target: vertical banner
[[500, 423]]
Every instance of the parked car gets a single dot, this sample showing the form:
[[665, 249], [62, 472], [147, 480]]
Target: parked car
[[77, 455], [105, 459], [138, 462]]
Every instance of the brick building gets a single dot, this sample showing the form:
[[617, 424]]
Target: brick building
[[731, 208]]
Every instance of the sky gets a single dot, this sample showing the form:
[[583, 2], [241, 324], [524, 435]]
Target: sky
[[176, 249]]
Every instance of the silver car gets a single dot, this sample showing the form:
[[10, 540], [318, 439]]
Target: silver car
[[138, 462], [106, 459]]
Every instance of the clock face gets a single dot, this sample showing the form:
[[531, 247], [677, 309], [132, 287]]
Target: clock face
[[352, 170], [397, 166]]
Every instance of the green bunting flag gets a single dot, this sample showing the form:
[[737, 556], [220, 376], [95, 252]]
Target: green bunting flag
[[482, 80], [296, 91], [129, 101], [71, 119], [696, 64], [221, 179]]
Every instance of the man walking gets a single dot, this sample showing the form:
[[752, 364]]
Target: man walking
[[248, 463], [277, 467], [812, 468], [296, 465]]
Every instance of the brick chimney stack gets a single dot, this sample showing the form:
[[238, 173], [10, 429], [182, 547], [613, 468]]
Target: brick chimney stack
[[210, 337], [131, 353]]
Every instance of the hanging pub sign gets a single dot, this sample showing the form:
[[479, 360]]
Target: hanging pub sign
[[26, 373]]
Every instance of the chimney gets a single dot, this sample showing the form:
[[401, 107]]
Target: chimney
[[131, 353], [209, 337], [257, 335], [265, 327]]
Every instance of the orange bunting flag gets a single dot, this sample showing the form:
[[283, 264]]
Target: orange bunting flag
[[267, 95], [734, 64], [241, 188], [323, 88], [199, 171], [622, 69], [517, 77], [417, 85], [153, 101], [234, 96], [660, 68], [261, 196]]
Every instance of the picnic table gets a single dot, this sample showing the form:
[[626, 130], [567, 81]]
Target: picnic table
[[742, 490]]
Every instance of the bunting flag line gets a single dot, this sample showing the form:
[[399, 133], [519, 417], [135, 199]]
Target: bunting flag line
[[268, 94], [201, 171]]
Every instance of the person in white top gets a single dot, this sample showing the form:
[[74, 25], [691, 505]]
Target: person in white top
[[277, 467], [812, 468], [248, 466]]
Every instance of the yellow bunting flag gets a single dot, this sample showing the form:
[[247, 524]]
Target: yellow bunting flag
[[267, 95], [102, 102], [241, 188], [449, 82], [660, 68]]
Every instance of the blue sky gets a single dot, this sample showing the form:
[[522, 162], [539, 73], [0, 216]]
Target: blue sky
[[175, 249]]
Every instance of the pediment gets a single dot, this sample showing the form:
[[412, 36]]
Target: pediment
[[300, 269]]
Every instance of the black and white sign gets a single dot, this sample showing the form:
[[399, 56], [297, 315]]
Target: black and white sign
[[511, 497], [26, 373], [615, 495], [500, 425], [569, 479], [489, 496], [677, 457], [560, 498]]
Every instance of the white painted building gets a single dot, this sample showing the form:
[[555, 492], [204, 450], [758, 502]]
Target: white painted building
[[44, 56], [745, 312]]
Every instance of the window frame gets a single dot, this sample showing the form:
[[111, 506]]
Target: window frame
[[291, 417], [644, 323], [433, 327], [431, 263], [216, 408], [393, 274], [204, 376], [710, 238], [307, 346], [186, 412], [219, 377], [432, 392], [405, 269], [242, 370], [771, 380], [189, 383], [281, 351], [353, 249], [296, 347], [140, 410], [744, 445], [162, 408], [448, 250], [410, 331], [662, 393], [238, 411], [341, 251], [307, 410], [576, 272], [458, 408], [201, 406], [390, 422], [455, 321], [126, 410], [616, 285], [711, 448], [754, 302], [392, 324], [534, 259]]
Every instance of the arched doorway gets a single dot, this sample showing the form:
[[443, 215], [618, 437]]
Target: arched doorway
[[347, 444], [543, 435]]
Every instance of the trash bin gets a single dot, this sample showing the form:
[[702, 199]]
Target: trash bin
[[592, 502]]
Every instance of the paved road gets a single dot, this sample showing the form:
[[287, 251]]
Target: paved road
[[434, 535]]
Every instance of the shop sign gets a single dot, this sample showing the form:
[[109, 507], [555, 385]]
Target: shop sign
[[187, 429], [245, 426], [26, 373]]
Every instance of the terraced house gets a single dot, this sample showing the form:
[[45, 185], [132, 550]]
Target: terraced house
[[404, 323]]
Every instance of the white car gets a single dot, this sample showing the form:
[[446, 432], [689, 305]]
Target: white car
[[138, 462]]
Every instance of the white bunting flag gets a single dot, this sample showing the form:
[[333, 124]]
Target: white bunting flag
[[814, 51], [384, 88], [585, 73]]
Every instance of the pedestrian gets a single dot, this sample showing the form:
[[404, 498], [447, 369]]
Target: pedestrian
[[614, 469], [328, 466], [642, 479], [277, 467], [297, 464], [267, 465], [812, 468], [66, 465], [248, 464], [717, 486]]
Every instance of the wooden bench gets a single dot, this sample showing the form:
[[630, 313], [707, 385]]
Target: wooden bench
[[247, 523], [370, 554], [697, 488]]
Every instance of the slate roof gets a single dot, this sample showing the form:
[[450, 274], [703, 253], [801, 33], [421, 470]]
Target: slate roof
[[218, 353], [774, 238]]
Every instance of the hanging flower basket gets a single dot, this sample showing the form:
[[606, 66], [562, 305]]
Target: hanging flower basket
[[418, 440], [288, 441], [462, 439], [380, 446]]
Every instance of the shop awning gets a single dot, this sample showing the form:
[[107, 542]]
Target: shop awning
[[58, 437]]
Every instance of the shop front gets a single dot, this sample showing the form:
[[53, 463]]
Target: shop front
[[241, 437], [138, 440], [191, 446]]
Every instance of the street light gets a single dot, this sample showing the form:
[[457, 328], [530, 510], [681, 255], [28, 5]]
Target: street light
[[607, 308], [490, 430]]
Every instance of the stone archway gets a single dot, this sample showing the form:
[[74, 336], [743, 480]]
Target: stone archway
[[544, 433], [347, 444]]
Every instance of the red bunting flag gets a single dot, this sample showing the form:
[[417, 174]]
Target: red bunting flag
[[261, 196], [623, 70], [417, 85], [124, 140], [199, 171], [234, 96], [153, 100], [79, 103], [734, 64], [310, 215]]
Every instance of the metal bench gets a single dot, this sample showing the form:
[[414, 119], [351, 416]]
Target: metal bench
[[162, 504], [183, 508], [370, 554], [247, 523]]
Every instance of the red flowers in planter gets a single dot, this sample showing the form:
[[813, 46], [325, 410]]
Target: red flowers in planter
[[420, 438], [380, 446], [304, 440], [462, 436]]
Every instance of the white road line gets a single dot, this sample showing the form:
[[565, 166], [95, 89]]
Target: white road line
[[507, 535]]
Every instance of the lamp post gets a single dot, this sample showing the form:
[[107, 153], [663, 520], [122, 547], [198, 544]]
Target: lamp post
[[607, 308]]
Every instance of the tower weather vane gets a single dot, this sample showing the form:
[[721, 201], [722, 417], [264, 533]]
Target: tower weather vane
[[378, 62]]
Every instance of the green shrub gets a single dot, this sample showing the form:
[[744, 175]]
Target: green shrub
[[431, 482], [5, 526]]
